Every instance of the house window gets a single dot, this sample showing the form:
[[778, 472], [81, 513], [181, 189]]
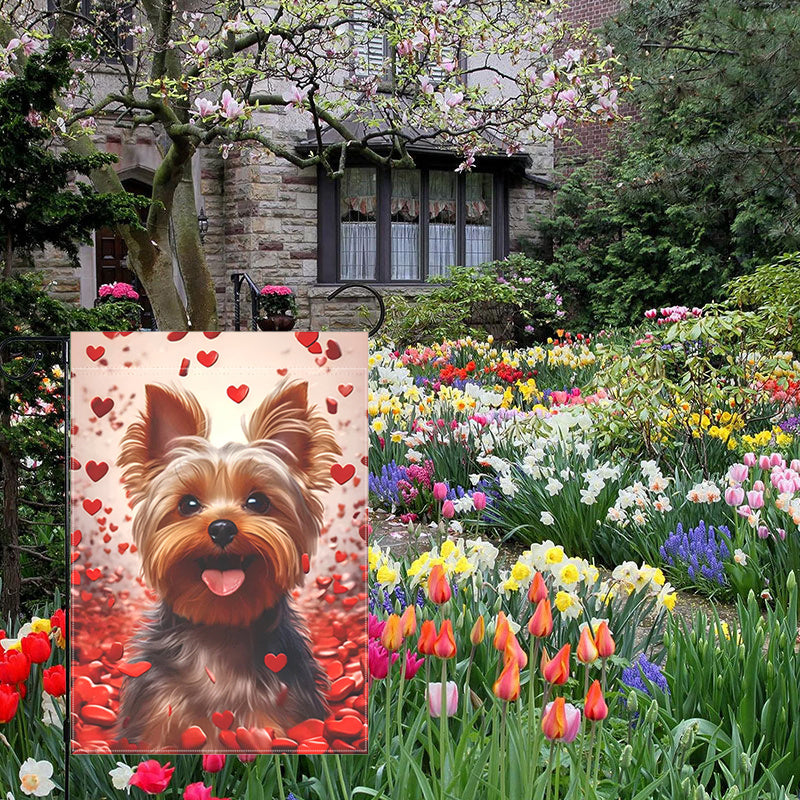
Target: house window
[[408, 225]]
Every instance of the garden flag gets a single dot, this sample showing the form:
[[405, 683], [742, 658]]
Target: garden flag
[[218, 553]]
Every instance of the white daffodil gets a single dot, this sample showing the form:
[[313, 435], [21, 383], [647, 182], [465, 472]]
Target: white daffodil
[[121, 776], [34, 777]]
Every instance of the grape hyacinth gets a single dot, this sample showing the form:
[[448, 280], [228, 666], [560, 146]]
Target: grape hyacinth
[[699, 551], [641, 668]]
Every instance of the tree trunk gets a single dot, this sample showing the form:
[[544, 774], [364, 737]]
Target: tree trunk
[[9, 526], [201, 297]]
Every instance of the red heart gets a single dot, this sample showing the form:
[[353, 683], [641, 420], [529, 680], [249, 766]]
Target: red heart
[[193, 738], [114, 651], [333, 351], [211, 334], [109, 334], [365, 460], [134, 669], [345, 389], [222, 720], [207, 358], [92, 506], [123, 547], [175, 336], [95, 352], [321, 361], [332, 404], [76, 538], [75, 578], [74, 463], [315, 348], [101, 407], [342, 473], [184, 370], [238, 393], [94, 573], [307, 338], [228, 739], [275, 662], [111, 601], [86, 596], [282, 371], [75, 557], [96, 470], [340, 556]]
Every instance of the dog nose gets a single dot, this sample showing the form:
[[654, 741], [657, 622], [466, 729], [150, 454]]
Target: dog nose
[[222, 531]]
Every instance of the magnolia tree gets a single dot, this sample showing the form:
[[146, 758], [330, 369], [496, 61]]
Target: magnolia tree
[[472, 78]]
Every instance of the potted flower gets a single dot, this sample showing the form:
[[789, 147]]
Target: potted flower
[[121, 292], [278, 308]]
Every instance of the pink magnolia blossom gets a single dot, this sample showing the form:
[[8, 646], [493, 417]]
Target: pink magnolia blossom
[[548, 80], [295, 96], [231, 109], [201, 48], [426, 84], [205, 108], [448, 65]]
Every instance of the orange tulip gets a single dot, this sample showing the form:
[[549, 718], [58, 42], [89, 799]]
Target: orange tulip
[[408, 621], [427, 636], [595, 707], [557, 670], [537, 591], [513, 650], [501, 631], [478, 631], [586, 652], [605, 644], [506, 687], [444, 645], [438, 586], [541, 623], [392, 636], [561, 721]]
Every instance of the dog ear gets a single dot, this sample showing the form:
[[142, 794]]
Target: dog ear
[[286, 419], [168, 414]]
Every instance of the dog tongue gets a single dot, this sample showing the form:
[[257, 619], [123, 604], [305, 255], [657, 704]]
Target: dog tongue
[[223, 582]]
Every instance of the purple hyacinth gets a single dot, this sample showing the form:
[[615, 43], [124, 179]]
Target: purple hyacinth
[[385, 486], [791, 425], [634, 676], [699, 550]]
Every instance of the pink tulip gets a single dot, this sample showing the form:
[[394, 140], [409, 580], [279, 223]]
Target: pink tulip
[[758, 486], [434, 695], [795, 465], [448, 509], [439, 491], [734, 495], [782, 533], [785, 486], [744, 511], [412, 665], [763, 532], [755, 499], [213, 762], [749, 459], [479, 500], [738, 473], [776, 460], [763, 462]]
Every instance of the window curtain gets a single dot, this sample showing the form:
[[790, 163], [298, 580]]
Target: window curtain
[[405, 251], [359, 249], [479, 244]]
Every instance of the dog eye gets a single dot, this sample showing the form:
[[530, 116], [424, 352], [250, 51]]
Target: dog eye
[[257, 502], [188, 505]]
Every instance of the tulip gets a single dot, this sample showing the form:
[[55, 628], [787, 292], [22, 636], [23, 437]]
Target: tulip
[[197, 791], [37, 647], [557, 670], [152, 777], [763, 532], [501, 631], [434, 695], [734, 495], [776, 460], [439, 491], [444, 646], [427, 636], [595, 707], [438, 586], [561, 721], [54, 680], [755, 499], [448, 509], [408, 621], [213, 762], [604, 641], [738, 473], [392, 636], [763, 462], [749, 459], [478, 631], [15, 667], [758, 486], [794, 465], [479, 501], [9, 702], [586, 651], [377, 660], [538, 589], [412, 665], [541, 623], [514, 651], [506, 687]]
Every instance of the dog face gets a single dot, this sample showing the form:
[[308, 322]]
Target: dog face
[[222, 531]]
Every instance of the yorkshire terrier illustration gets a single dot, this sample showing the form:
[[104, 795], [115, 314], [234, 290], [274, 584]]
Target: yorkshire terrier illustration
[[222, 533]]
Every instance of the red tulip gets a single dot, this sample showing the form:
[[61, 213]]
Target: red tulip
[[541, 623], [427, 636], [557, 670], [604, 641], [438, 586], [444, 645], [595, 707], [506, 687], [213, 762], [15, 667], [37, 647], [54, 680], [152, 777], [586, 651], [537, 591], [9, 702]]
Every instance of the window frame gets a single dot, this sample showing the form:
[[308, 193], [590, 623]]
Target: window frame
[[329, 222]]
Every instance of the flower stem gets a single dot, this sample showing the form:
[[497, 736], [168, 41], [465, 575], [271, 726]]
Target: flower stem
[[503, 751], [388, 718], [443, 731], [558, 769], [277, 758]]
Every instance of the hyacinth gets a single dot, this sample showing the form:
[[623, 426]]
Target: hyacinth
[[699, 551], [118, 291], [790, 425], [632, 676]]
